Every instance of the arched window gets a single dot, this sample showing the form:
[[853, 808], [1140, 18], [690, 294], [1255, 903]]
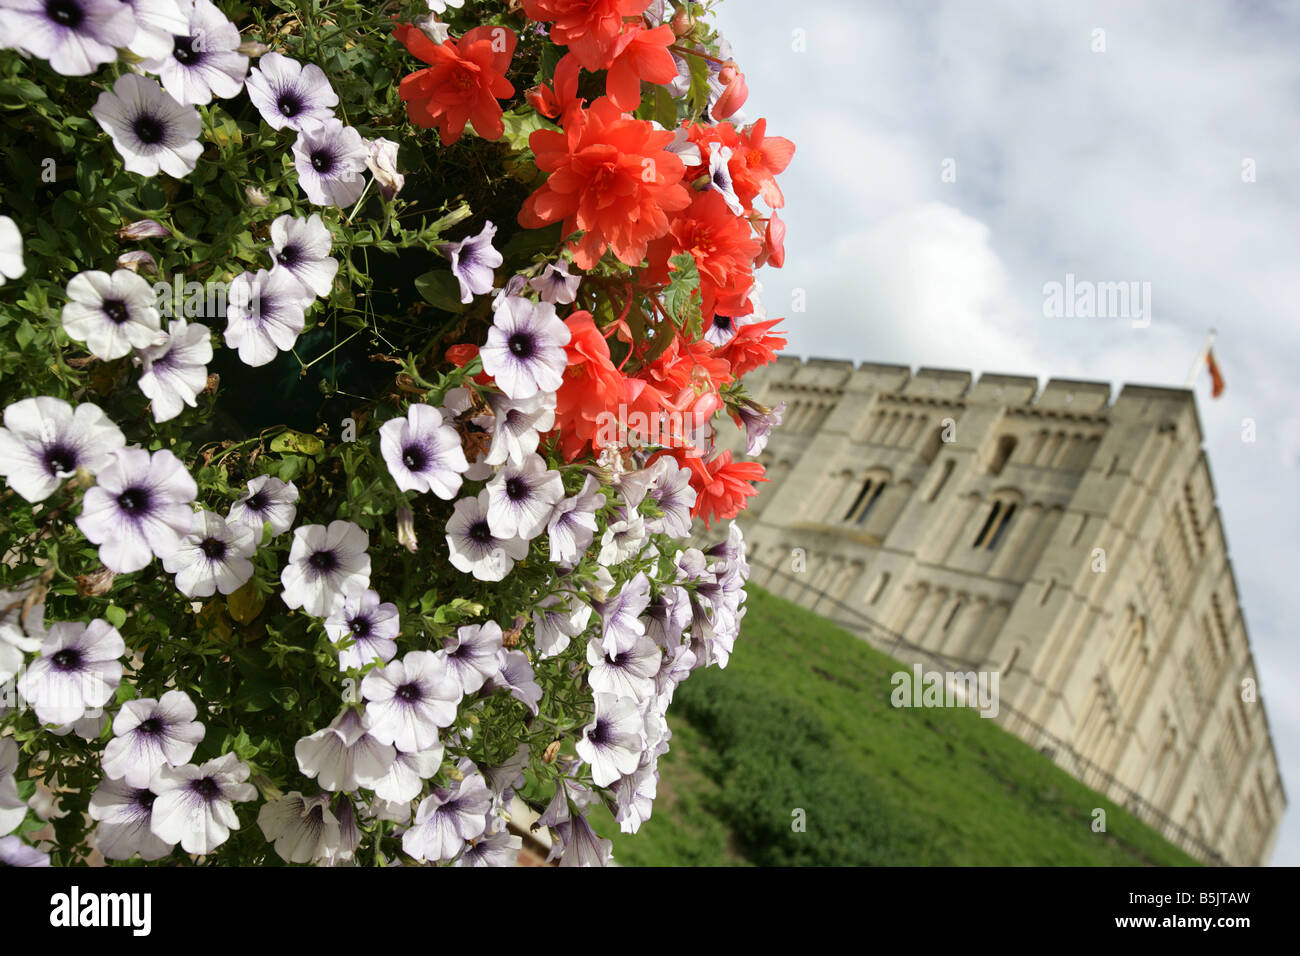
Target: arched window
[[1001, 512], [872, 488]]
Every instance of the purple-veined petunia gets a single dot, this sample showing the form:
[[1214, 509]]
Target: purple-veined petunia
[[325, 563], [423, 452], [266, 499], [195, 805], [367, 625], [75, 36], [614, 740], [112, 314], [78, 670], [521, 498], [302, 247], [124, 814], [410, 700], [150, 130], [264, 315], [472, 546], [473, 261], [471, 656], [149, 734], [449, 817], [289, 93], [213, 557], [331, 163], [524, 352], [345, 755], [204, 61], [45, 441], [173, 373], [139, 509]]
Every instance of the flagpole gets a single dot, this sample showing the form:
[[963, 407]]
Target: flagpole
[[1200, 360]]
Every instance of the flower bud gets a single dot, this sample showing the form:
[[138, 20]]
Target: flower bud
[[256, 197], [406, 529], [253, 48], [136, 260], [144, 229], [382, 163], [683, 23]]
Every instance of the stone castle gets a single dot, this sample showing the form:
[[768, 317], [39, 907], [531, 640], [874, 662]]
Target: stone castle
[[1069, 541]]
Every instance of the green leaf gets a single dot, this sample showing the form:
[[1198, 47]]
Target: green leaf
[[521, 123], [440, 289], [292, 441], [682, 299], [115, 615]]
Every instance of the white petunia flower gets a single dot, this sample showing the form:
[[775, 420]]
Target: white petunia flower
[[614, 740], [471, 656], [555, 623], [410, 700], [213, 557], [370, 627], [448, 817], [264, 315], [331, 163], [555, 285], [522, 497], [204, 60], [572, 524], [149, 734], [112, 314], [517, 425], [405, 778], [345, 755], [139, 509], [45, 441], [11, 250], [303, 829], [156, 23], [266, 499], [472, 546], [623, 539], [75, 36], [302, 247], [422, 452], [289, 93], [78, 671], [150, 130], [125, 814], [195, 805], [629, 673], [176, 371], [524, 352], [324, 565], [13, 808]]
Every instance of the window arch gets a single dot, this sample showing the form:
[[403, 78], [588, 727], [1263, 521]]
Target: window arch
[[873, 485], [1002, 509]]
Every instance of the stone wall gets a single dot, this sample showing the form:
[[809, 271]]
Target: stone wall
[[1064, 537]]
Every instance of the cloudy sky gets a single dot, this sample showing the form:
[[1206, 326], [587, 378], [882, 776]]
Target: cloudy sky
[[1112, 141]]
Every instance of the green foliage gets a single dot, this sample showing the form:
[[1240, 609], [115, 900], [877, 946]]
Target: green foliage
[[801, 718]]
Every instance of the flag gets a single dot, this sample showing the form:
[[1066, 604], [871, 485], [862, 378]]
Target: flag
[[1216, 377]]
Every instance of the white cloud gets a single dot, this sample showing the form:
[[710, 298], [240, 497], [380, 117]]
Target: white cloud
[[1115, 166]]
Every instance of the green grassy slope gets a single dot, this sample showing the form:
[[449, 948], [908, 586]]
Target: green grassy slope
[[801, 718]]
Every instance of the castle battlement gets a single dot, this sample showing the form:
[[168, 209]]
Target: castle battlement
[[1065, 534]]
